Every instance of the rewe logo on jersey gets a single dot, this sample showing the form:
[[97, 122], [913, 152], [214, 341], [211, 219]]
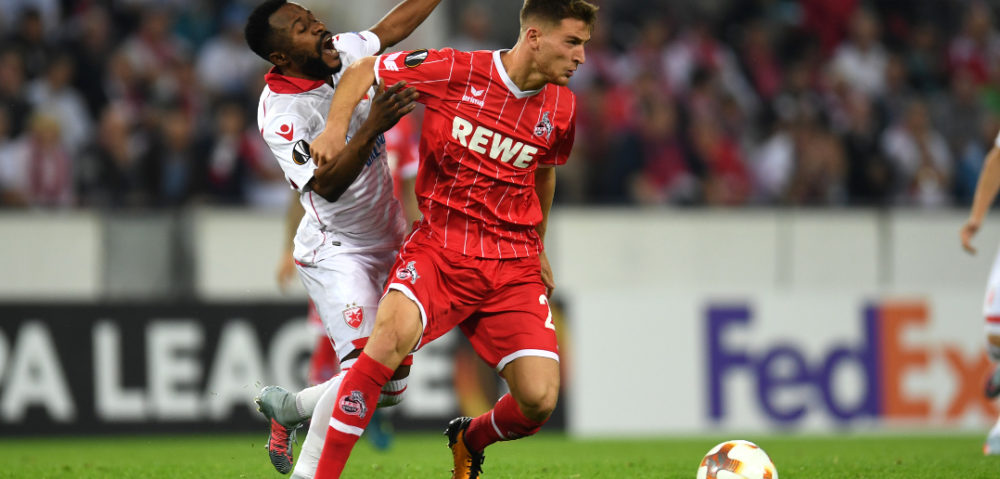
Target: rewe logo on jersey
[[484, 141]]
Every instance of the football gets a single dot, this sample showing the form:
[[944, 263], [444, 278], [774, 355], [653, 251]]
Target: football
[[737, 459]]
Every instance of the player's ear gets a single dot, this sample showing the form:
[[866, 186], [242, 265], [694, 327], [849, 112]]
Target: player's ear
[[278, 59], [532, 37]]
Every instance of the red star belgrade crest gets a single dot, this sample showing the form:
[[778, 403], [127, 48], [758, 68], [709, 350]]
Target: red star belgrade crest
[[354, 315]]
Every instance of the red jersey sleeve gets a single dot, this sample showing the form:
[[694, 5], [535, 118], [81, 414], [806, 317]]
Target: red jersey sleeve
[[563, 145], [429, 71]]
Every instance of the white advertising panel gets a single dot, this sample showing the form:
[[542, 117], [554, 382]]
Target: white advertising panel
[[651, 361]]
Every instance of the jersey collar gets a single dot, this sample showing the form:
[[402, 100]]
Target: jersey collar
[[518, 93], [279, 83]]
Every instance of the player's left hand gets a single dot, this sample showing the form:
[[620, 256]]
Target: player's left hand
[[547, 278], [968, 230], [391, 104]]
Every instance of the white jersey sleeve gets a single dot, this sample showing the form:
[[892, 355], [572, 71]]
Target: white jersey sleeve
[[357, 45], [286, 135]]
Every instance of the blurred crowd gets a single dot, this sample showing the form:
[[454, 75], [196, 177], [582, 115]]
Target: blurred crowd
[[146, 104]]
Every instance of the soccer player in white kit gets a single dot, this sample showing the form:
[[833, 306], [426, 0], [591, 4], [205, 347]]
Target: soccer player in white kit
[[353, 226], [986, 192]]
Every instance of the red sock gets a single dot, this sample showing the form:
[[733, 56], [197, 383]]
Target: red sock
[[356, 400], [505, 422]]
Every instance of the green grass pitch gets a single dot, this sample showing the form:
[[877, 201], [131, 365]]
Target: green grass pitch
[[543, 456]]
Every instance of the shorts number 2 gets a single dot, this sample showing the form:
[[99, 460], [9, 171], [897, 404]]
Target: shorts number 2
[[548, 321]]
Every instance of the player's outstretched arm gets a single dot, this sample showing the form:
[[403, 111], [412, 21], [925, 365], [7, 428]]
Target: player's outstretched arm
[[986, 192], [402, 20], [333, 177], [354, 83], [545, 188]]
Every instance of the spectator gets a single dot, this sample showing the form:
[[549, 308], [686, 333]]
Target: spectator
[[818, 177], [474, 29], [971, 158], [36, 170], [960, 113], [91, 48], [920, 157], [868, 172], [725, 175], [178, 170], [113, 173], [225, 64], [31, 42], [55, 93], [977, 46], [665, 176], [861, 60], [12, 90]]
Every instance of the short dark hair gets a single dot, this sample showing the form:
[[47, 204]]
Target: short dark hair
[[554, 11], [258, 32]]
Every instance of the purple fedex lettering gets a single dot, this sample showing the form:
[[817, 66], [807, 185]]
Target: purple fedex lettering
[[781, 367]]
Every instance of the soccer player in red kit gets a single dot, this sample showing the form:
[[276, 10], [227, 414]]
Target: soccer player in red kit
[[495, 124]]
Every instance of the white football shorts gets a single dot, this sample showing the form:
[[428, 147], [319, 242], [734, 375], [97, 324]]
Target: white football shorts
[[346, 289], [991, 304]]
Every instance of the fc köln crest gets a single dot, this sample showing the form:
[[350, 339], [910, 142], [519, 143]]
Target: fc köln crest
[[354, 315], [544, 127]]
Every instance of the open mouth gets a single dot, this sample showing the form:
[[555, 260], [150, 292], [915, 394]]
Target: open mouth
[[326, 46]]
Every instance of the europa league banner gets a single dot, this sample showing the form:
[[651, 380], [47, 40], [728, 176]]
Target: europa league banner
[[186, 367]]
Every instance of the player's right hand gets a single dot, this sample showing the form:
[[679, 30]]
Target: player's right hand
[[286, 270], [391, 104], [968, 230]]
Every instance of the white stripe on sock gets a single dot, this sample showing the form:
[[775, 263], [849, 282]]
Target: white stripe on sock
[[493, 421], [345, 428]]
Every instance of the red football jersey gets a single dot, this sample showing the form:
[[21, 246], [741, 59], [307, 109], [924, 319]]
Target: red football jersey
[[481, 141]]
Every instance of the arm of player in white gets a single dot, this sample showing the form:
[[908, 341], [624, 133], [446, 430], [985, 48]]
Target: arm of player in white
[[353, 86], [986, 191], [402, 20], [332, 177]]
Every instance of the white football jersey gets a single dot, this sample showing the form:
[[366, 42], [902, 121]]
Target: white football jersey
[[291, 113]]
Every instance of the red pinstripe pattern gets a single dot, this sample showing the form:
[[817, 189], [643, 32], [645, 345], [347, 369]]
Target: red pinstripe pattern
[[475, 203]]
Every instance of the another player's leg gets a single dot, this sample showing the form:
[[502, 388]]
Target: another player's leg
[[398, 327], [534, 391], [992, 390]]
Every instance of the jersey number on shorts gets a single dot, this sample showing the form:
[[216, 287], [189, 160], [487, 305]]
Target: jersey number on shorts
[[548, 321]]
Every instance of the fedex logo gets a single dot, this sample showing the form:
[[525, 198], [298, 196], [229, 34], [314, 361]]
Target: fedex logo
[[885, 363], [484, 141]]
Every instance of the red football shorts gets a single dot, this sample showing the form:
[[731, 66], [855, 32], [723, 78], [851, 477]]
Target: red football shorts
[[499, 304]]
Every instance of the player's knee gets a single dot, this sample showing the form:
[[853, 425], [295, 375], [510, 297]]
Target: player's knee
[[538, 402]]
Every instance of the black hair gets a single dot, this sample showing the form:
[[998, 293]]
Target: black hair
[[258, 32]]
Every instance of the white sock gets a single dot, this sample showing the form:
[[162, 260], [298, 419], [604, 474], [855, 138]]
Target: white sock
[[312, 447], [392, 392], [306, 399], [994, 352]]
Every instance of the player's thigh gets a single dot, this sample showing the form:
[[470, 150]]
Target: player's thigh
[[514, 322], [345, 289], [444, 287]]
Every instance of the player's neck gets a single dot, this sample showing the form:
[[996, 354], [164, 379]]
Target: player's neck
[[521, 68], [289, 72]]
